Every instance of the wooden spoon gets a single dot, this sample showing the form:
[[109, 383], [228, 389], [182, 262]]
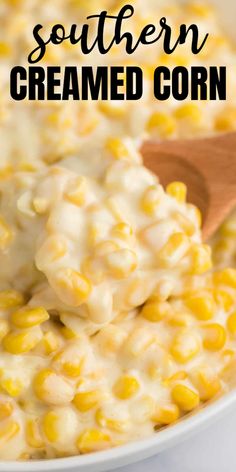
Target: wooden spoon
[[207, 166]]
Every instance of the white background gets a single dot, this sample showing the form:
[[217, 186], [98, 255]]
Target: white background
[[211, 450]]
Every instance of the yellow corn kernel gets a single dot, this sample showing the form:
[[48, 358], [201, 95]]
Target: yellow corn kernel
[[10, 299], [231, 324], [185, 346], [121, 263], [174, 250], [200, 9], [40, 205], [180, 320], [85, 401], [71, 368], [13, 387], [117, 148], [225, 277], [110, 338], [185, 223], [20, 342], [49, 426], [68, 333], [161, 124], [214, 337], [27, 317], [223, 298], [226, 120], [6, 409], [206, 382], [54, 248], [52, 388], [112, 109], [105, 247], [186, 398], [180, 375], [151, 199], [50, 342], [166, 414], [8, 431], [33, 435], [122, 231], [77, 192], [126, 387], [177, 190], [71, 286], [5, 49], [93, 440], [202, 305], [201, 260], [5, 235], [155, 311], [189, 111], [4, 328], [138, 342], [111, 421]]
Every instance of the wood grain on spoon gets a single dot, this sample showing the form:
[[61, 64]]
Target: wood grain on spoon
[[208, 168]]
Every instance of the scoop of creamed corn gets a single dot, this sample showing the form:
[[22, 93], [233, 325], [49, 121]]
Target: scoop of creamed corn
[[113, 320]]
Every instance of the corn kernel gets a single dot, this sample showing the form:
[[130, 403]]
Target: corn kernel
[[185, 223], [4, 328], [138, 342], [20, 342], [197, 214], [69, 365], [151, 199], [13, 387], [126, 387], [10, 299], [186, 398], [28, 317], [85, 401], [156, 311], [5, 49], [202, 305], [72, 287], [8, 431], [189, 111], [6, 235], [214, 337], [117, 148], [177, 190], [52, 389], [53, 249], [77, 192], [6, 409], [226, 120], [185, 346], [201, 260], [33, 435], [114, 420], [225, 277], [49, 425], [206, 382], [110, 339], [122, 231], [166, 414], [174, 250], [161, 124], [114, 109], [231, 324], [92, 440], [50, 342], [121, 263]]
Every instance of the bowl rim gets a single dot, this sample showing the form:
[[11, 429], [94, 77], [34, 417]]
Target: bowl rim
[[132, 451]]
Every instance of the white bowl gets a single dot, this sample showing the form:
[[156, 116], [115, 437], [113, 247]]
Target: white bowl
[[168, 437]]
